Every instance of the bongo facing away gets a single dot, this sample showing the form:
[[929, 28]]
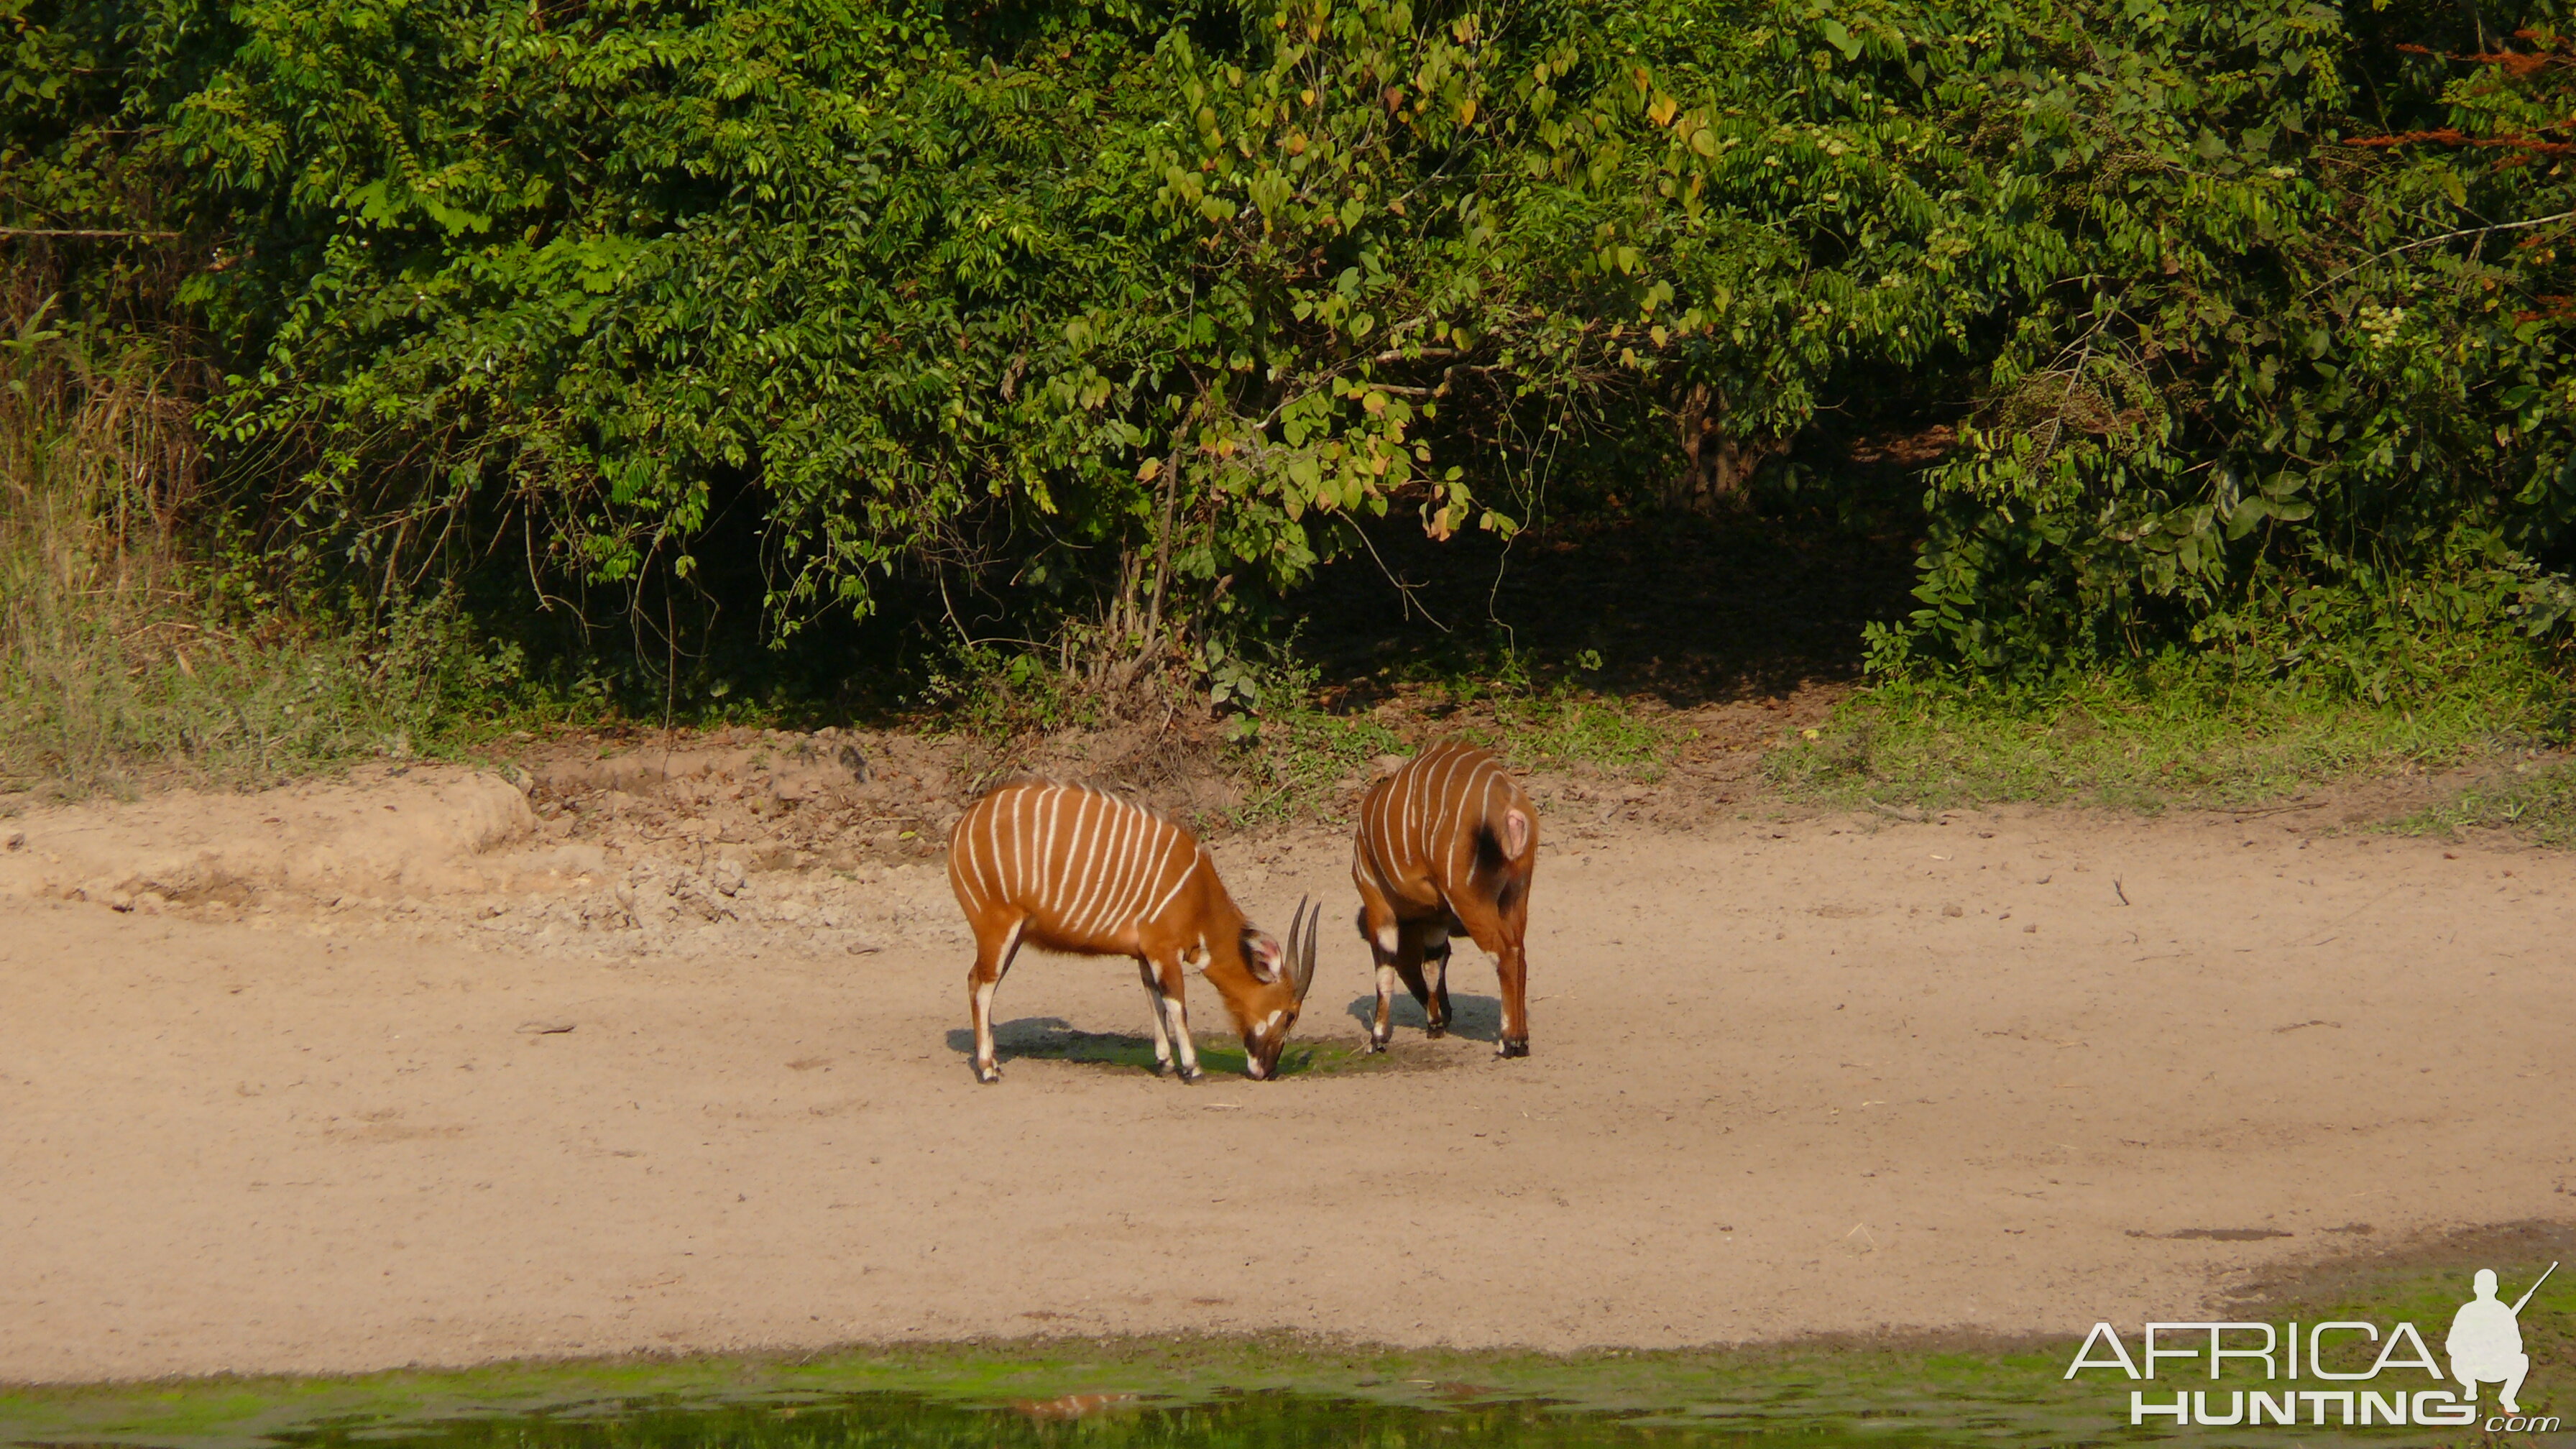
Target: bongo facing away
[[1446, 845]]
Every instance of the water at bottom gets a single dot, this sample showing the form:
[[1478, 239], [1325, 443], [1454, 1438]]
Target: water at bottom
[[1273, 1419]]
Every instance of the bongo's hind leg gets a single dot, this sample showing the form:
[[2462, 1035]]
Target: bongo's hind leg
[[992, 962], [1171, 974], [1406, 966], [1499, 934], [1512, 967], [1433, 992], [1385, 936], [1154, 1005]]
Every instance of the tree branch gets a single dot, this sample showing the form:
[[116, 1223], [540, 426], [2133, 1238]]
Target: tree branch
[[2435, 241], [88, 233]]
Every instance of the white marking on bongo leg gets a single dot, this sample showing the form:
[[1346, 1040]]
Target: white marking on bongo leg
[[1176, 1015], [984, 1023], [1154, 1010], [984, 1054]]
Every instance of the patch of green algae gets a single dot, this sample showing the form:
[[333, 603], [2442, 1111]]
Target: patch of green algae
[[1279, 1391]]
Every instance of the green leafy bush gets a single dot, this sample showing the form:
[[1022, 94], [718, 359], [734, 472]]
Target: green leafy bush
[[2300, 387], [1109, 320]]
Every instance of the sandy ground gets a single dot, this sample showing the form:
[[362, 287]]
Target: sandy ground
[[310, 1109]]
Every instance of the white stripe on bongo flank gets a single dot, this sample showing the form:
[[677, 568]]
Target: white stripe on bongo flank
[[1108, 845], [1087, 864], [1111, 865], [1138, 872], [1055, 816], [1160, 860], [1117, 870], [957, 880], [1413, 806], [1024, 820], [974, 853], [1004, 845], [1078, 853], [1109, 860], [1188, 870], [1449, 794], [989, 858], [1424, 820]]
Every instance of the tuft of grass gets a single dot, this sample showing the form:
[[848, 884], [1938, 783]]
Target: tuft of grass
[[85, 705], [1302, 763], [2536, 800], [2173, 732], [1564, 729], [125, 658], [1305, 763], [979, 691]]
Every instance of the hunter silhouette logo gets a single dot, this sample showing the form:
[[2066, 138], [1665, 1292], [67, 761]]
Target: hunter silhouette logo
[[2364, 1377], [2486, 1341]]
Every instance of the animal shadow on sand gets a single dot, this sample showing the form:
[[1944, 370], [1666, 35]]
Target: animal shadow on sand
[[1477, 1018], [1052, 1038]]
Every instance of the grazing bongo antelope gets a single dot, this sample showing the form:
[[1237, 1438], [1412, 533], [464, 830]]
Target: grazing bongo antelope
[[1446, 845], [1072, 869]]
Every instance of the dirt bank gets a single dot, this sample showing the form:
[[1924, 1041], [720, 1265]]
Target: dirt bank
[[344, 1105]]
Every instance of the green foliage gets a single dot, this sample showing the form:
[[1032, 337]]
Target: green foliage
[[122, 658], [1561, 728], [2533, 798], [1305, 762], [987, 693], [1268, 1390], [84, 708], [2178, 730], [2293, 383], [1108, 321]]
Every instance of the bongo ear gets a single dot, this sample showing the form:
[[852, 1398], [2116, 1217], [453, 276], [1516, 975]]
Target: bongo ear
[[1262, 954]]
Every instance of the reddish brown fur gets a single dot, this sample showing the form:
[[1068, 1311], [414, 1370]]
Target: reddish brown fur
[[1077, 870], [1446, 844]]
